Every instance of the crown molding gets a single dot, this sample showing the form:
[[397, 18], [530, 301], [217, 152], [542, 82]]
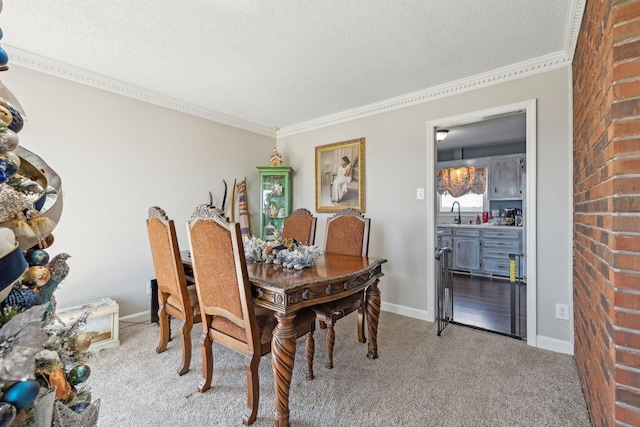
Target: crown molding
[[511, 72], [500, 75], [573, 26], [45, 65]]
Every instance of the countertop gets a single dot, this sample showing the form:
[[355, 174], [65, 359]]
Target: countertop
[[484, 226]]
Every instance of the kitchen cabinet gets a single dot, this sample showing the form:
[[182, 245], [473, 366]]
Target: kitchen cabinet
[[484, 250], [497, 244], [466, 249], [506, 177], [275, 199], [445, 237]]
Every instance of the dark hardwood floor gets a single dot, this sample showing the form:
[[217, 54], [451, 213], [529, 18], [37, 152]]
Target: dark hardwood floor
[[486, 303]]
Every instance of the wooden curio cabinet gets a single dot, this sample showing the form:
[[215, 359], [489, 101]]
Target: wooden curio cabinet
[[275, 199]]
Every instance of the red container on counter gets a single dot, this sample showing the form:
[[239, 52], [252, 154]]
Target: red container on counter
[[485, 217]]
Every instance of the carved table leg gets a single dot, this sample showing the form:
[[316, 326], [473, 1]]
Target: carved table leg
[[283, 349], [373, 315]]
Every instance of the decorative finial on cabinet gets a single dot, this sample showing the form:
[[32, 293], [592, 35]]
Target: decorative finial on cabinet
[[276, 158]]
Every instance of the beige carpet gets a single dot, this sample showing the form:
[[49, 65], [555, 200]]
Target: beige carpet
[[463, 378]]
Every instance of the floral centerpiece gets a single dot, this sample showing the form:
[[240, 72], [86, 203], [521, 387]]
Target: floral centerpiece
[[289, 253]]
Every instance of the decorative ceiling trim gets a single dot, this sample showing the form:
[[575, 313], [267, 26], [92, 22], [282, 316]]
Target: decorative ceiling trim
[[511, 72], [573, 26], [68, 72], [500, 75]]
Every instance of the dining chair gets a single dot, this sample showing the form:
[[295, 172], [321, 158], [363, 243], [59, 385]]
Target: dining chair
[[175, 298], [347, 233], [300, 225], [229, 315]]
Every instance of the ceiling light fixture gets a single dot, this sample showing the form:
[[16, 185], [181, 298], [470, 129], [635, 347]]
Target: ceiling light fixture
[[441, 134]]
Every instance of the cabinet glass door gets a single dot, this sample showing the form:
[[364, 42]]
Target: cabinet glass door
[[275, 200]]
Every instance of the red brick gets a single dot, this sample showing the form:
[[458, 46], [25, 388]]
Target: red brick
[[624, 242], [626, 89], [626, 70], [627, 415], [626, 51], [627, 377], [628, 339], [627, 30], [628, 358], [625, 11], [627, 300], [625, 280]]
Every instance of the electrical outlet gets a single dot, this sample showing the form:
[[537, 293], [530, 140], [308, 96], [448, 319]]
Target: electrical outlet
[[562, 311], [148, 288]]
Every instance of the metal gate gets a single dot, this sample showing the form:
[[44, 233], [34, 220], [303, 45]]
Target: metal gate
[[444, 287]]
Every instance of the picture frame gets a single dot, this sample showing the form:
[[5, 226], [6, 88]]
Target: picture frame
[[103, 322], [334, 193]]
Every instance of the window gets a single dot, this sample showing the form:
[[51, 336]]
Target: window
[[469, 202]]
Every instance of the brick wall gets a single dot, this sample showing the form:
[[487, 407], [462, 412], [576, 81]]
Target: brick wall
[[606, 170]]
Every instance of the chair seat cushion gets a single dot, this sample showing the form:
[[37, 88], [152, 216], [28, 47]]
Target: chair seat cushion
[[340, 308], [267, 322], [193, 299]]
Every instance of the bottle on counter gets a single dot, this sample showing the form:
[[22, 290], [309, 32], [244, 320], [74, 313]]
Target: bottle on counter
[[478, 221]]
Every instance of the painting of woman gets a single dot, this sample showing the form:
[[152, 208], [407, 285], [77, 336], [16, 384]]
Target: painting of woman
[[342, 178]]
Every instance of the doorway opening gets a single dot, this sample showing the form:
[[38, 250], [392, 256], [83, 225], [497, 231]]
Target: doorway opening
[[493, 259]]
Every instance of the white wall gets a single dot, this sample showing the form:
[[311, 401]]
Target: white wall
[[395, 152], [116, 157]]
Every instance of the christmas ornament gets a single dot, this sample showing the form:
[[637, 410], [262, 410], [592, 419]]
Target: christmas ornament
[[7, 414], [19, 226], [83, 342], [9, 165], [22, 297], [37, 257], [58, 380], [5, 115], [36, 276], [22, 394], [78, 374], [9, 140], [16, 119]]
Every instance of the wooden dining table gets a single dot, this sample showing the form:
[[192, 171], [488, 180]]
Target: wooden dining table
[[285, 291]]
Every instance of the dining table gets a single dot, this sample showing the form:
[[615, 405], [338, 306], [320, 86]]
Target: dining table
[[285, 291]]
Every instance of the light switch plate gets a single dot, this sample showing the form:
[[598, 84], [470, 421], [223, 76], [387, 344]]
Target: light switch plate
[[420, 194]]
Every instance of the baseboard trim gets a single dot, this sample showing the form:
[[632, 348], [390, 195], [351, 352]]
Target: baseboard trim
[[555, 345], [546, 343], [142, 316], [405, 311]]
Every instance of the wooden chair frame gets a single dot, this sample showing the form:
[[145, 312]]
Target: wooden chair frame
[[228, 312], [175, 299], [335, 242]]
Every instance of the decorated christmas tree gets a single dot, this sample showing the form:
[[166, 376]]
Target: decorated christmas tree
[[42, 360]]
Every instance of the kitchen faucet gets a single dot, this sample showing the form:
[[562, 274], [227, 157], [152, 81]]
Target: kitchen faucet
[[457, 220]]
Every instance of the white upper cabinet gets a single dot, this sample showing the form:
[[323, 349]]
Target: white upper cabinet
[[506, 177]]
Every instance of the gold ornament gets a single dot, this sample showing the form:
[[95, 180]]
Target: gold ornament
[[38, 275], [83, 342]]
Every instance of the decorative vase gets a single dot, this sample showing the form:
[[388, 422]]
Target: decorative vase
[[63, 416]]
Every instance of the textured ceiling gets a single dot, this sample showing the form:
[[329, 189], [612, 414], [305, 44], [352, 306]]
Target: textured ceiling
[[264, 64]]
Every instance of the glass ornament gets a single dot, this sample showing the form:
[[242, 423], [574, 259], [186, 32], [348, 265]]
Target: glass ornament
[[36, 276], [9, 141], [5, 114], [78, 374], [22, 394], [9, 165], [37, 256], [4, 57], [16, 119]]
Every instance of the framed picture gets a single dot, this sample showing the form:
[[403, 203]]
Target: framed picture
[[340, 176], [103, 321]]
